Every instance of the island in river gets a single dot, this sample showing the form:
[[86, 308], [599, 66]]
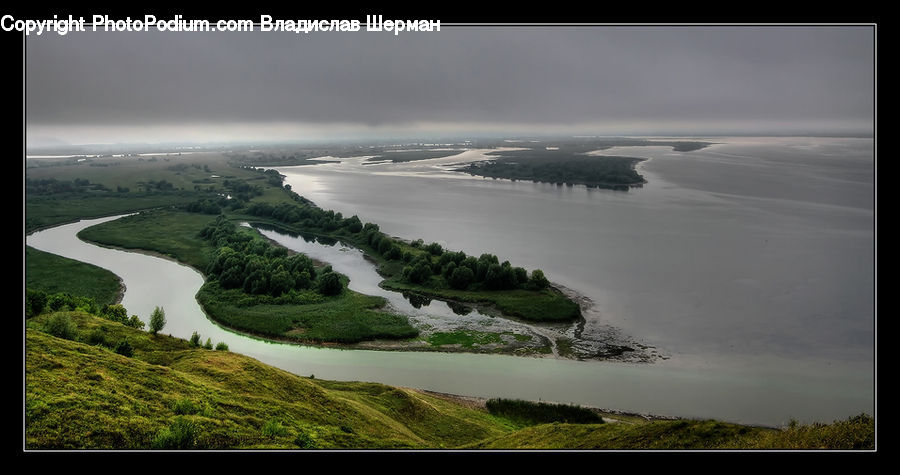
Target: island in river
[[571, 163], [255, 287]]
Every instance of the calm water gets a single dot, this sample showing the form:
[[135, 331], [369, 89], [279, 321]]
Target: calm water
[[762, 297], [755, 247]]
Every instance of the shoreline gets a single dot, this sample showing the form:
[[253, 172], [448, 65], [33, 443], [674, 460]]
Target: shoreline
[[608, 415], [615, 349], [372, 345]]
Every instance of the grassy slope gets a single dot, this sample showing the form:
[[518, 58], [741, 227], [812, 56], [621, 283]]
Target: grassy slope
[[55, 274], [81, 396], [854, 434]]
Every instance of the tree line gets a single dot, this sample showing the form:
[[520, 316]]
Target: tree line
[[423, 263]]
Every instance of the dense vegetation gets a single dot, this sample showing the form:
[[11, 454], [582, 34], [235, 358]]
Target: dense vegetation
[[428, 269], [257, 287], [38, 302], [549, 167], [80, 393], [533, 413], [568, 161]]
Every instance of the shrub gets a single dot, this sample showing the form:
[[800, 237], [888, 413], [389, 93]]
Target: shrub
[[35, 300], [434, 249], [195, 339], [330, 284], [273, 428], [185, 406], [208, 345], [221, 346], [97, 337], [135, 322], [420, 273], [116, 313], [124, 348], [461, 277], [527, 412], [538, 281], [181, 434], [61, 326], [304, 441], [57, 302]]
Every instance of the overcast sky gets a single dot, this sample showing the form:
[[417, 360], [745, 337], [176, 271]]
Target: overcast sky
[[122, 87]]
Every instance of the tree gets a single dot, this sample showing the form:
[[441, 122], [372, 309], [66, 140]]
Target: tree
[[157, 320], [116, 313], [420, 272], [208, 345], [135, 322], [35, 300], [330, 284], [61, 326], [461, 277], [538, 280], [195, 339], [124, 348]]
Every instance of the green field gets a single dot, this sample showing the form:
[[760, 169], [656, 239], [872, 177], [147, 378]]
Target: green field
[[350, 317], [171, 233], [55, 274], [170, 395]]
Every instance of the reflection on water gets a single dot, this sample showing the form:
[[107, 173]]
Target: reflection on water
[[417, 301]]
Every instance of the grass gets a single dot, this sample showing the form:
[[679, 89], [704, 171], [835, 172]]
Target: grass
[[350, 317], [50, 211], [184, 173], [82, 396], [57, 274], [168, 232], [465, 338], [170, 396]]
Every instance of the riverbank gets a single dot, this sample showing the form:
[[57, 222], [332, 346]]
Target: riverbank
[[482, 331], [168, 394]]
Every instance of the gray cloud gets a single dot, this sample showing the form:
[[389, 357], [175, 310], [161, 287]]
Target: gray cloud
[[487, 75]]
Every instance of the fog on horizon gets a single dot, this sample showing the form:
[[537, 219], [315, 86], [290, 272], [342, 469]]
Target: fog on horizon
[[650, 80]]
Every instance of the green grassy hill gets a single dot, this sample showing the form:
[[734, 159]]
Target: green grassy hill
[[168, 394]]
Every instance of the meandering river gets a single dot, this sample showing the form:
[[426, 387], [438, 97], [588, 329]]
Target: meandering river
[[761, 291]]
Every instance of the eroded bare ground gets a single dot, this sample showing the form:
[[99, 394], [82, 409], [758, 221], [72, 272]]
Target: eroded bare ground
[[484, 331]]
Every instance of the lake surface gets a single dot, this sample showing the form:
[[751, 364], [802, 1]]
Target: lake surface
[[762, 297], [757, 246]]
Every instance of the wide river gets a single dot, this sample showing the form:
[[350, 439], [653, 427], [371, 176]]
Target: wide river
[[749, 264]]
